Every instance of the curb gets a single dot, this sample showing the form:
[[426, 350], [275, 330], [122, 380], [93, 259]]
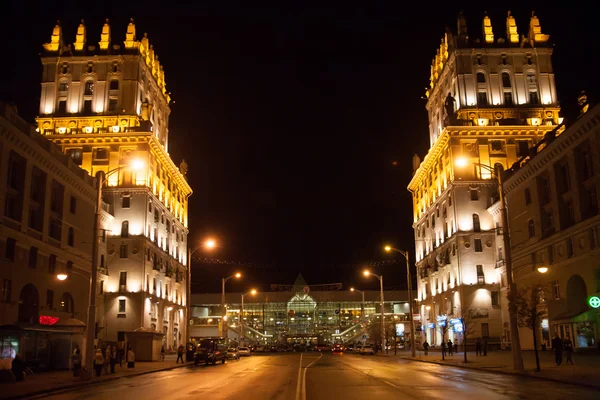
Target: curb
[[543, 378], [89, 383]]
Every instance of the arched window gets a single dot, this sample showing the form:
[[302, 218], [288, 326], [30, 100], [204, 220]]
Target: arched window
[[482, 99], [506, 80], [66, 303], [71, 237], [531, 228], [89, 88], [125, 229], [114, 84], [480, 77], [476, 223]]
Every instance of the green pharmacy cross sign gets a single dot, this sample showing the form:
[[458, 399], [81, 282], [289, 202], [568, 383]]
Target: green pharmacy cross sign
[[594, 302]]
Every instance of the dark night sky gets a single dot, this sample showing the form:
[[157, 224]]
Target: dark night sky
[[291, 115]]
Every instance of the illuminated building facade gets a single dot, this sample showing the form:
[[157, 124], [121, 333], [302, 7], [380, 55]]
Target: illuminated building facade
[[105, 104], [46, 209], [490, 100], [552, 202], [301, 314]]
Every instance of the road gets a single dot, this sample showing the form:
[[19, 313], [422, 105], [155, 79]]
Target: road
[[295, 376]]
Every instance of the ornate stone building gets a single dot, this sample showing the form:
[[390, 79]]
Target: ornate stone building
[[105, 104], [490, 100]]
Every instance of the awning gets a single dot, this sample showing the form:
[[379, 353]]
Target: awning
[[570, 317]]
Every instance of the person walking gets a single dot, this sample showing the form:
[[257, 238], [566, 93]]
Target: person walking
[[478, 347], [568, 346], [180, 354], [426, 347], [98, 362], [130, 358], [112, 354], [76, 360], [443, 349], [449, 347], [557, 346], [162, 353]]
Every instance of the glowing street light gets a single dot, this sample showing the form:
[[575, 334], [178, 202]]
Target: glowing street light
[[366, 272], [253, 293], [362, 304], [223, 280], [542, 269], [62, 276], [210, 244]]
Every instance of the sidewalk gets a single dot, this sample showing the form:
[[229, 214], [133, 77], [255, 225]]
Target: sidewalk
[[58, 380], [585, 372]]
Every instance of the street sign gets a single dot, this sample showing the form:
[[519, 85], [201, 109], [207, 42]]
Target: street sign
[[594, 302]]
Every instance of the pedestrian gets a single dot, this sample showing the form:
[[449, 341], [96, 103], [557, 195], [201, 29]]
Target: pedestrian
[[478, 347], [76, 362], [98, 362], [112, 358], [443, 349], [130, 358], [568, 346], [485, 342], [106, 360], [456, 347], [450, 346], [557, 346], [180, 354], [162, 353], [18, 368], [426, 347]]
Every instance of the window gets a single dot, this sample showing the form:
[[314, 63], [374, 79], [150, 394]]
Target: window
[[476, 223], [64, 69], [87, 106], [51, 264], [562, 176], [433, 221], [482, 99], [10, 249], [478, 246], [73, 205], [102, 261], [154, 285], [480, 77], [114, 84], [530, 75], [33, 253], [156, 215], [474, 195], [62, 106], [100, 153], [506, 80], [495, 298], [123, 251], [533, 98], [76, 155], [497, 146], [527, 197], [531, 228], [508, 99], [122, 281], [480, 275], [71, 237], [112, 105], [50, 299], [89, 88], [101, 289], [66, 303], [121, 306], [125, 229], [63, 86], [149, 207], [6, 290], [522, 148], [126, 201]]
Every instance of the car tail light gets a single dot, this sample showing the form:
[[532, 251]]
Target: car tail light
[[217, 352]]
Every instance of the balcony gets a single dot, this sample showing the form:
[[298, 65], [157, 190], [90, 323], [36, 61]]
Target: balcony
[[500, 263]]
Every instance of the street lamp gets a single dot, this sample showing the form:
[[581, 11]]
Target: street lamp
[[253, 293], [380, 277], [224, 319], [512, 287], [101, 176], [542, 269], [362, 304], [410, 297]]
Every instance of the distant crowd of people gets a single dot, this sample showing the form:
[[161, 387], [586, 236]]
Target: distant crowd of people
[[105, 358]]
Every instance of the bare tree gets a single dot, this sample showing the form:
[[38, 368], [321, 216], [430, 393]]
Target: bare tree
[[467, 321], [528, 300], [443, 329], [374, 331]]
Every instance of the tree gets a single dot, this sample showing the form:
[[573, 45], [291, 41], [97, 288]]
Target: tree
[[374, 330], [527, 301], [467, 321], [443, 329]]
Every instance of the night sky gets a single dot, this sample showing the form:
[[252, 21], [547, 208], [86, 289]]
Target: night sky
[[298, 120]]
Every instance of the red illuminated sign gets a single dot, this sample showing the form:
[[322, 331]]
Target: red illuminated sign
[[48, 320]]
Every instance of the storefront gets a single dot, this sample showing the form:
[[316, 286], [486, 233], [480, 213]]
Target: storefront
[[581, 328]]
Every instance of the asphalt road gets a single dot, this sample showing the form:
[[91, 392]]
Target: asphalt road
[[310, 376]]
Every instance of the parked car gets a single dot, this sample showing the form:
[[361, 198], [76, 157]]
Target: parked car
[[367, 350], [244, 351], [338, 348], [233, 353], [357, 348], [211, 350]]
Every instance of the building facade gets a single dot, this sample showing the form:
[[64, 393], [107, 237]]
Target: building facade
[[556, 245], [301, 314], [47, 205], [105, 104], [490, 100]]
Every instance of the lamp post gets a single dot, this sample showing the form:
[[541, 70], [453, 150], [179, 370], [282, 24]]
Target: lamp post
[[224, 310], [512, 287], [91, 317], [362, 304], [410, 298], [252, 292], [383, 333], [208, 244]]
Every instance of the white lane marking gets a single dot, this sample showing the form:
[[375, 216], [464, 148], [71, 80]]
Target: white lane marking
[[391, 384], [304, 377], [299, 379]]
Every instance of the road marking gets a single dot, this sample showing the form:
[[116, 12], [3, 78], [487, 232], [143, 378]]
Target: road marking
[[299, 379], [304, 377]]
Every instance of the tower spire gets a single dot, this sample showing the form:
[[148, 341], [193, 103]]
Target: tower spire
[[511, 29], [488, 34], [56, 42], [105, 36], [130, 35], [80, 38]]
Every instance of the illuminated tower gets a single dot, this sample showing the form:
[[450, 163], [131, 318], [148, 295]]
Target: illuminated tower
[[490, 100], [104, 104]]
